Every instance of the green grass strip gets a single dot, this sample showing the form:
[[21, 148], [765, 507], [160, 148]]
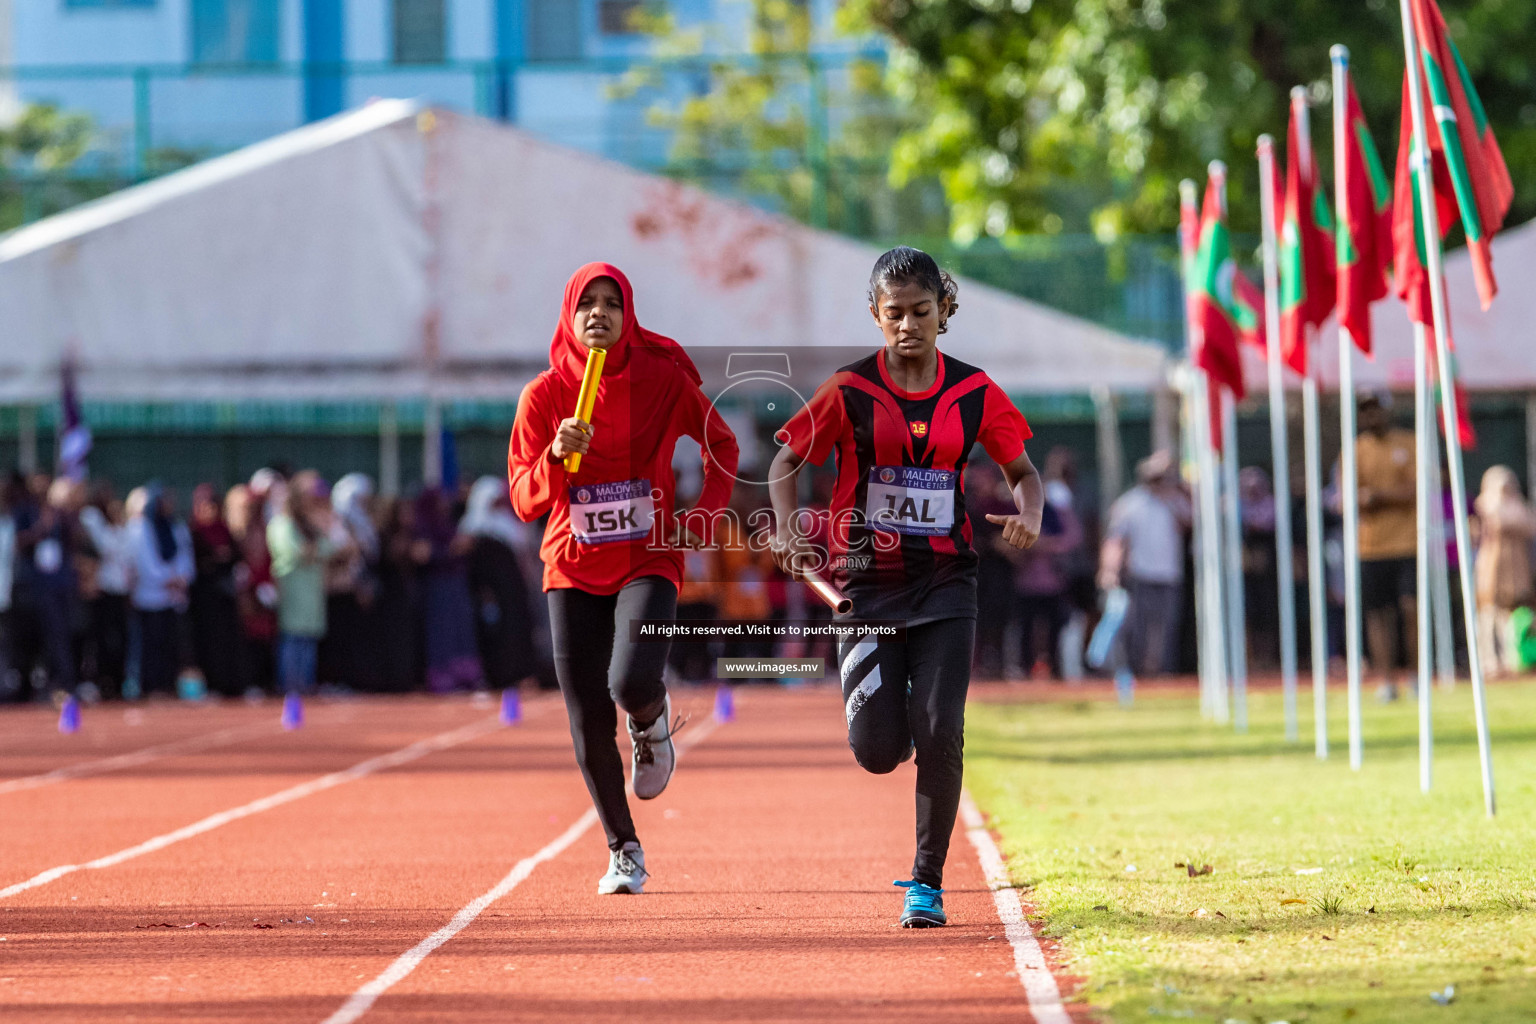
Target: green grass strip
[[1332, 896]]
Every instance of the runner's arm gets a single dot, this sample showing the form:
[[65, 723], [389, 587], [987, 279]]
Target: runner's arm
[[534, 476], [700, 420], [1023, 529], [788, 544], [809, 436], [1003, 433]]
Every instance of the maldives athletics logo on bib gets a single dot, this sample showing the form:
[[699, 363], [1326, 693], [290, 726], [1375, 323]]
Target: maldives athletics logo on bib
[[919, 428], [887, 475]]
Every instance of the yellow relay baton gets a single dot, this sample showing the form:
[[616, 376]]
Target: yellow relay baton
[[586, 399]]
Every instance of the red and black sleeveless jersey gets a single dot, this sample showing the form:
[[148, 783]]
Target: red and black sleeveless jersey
[[900, 539]]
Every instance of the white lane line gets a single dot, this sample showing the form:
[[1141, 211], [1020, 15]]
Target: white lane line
[[1040, 989], [134, 758], [363, 999], [419, 749]]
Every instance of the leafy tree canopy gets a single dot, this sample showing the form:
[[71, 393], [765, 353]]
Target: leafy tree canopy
[[1066, 115], [763, 117], [44, 138]]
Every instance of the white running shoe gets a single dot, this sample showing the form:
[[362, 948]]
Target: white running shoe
[[654, 755], [626, 872]]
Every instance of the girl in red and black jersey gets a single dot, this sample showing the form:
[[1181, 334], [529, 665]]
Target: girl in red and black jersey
[[613, 545], [902, 423]]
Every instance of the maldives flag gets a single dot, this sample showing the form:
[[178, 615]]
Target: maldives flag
[[1307, 286], [1460, 135], [1364, 233], [1219, 317], [1225, 306], [1409, 259], [1410, 269], [1189, 244]]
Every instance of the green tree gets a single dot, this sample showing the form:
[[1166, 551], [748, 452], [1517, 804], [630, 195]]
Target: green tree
[[36, 149], [771, 119], [1053, 115], [44, 139]]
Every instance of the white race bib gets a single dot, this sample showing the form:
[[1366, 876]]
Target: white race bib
[[910, 499], [605, 513]]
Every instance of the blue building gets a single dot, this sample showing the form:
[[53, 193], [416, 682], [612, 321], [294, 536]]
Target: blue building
[[203, 76]]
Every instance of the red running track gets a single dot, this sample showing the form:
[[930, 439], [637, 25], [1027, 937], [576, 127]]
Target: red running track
[[771, 853]]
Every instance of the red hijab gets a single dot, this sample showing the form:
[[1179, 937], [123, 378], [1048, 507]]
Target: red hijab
[[649, 360]]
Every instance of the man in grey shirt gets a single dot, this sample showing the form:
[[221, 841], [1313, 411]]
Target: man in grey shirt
[[1144, 553]]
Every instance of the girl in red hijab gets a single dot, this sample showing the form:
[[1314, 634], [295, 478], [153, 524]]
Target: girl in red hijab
[[613, 545]]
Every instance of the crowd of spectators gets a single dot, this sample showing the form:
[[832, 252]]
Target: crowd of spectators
[[283, 583], [286, 583]]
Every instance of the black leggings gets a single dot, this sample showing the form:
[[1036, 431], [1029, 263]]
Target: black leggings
[[596, 673], [901, 696]]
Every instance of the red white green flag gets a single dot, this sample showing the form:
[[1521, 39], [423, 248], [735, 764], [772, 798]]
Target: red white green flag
[[1409, 257], [1477, 178], [1225, 306], [1364, 234], [1223, 312], [1307, 287]]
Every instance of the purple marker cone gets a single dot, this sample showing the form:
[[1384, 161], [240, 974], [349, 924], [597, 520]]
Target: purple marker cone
[[69, 716], [725, 703], [293, 711], [511, 707]]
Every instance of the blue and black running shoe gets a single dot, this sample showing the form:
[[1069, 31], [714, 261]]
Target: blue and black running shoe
[[924, 906]]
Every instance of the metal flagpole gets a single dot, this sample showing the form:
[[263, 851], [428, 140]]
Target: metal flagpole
[[1189, 460], [1189, 383], [1424, 430], [1440, 582], [1211, 551], [1312, 452], [1278, 441], [1213, 699], [1426, 191], [1238, 651], [1237, 648], [1349, 481]]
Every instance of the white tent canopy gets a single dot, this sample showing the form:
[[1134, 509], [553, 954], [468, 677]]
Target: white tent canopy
[[398, 250], [1495, 351]]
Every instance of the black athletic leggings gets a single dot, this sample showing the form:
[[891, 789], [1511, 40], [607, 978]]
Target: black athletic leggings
[[901, 696], [596, 673]]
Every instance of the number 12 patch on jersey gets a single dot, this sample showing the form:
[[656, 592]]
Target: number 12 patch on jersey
[[911, 499], [605, 513]]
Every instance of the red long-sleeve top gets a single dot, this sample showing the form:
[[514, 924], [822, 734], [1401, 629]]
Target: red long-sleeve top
[[622, 450]]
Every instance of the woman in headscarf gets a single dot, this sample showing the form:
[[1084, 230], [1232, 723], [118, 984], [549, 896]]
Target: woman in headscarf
[[504, 616], [612, 549], [453, 662], [105, 522], [346, 654], [1505, 526], [163, 571], [399, 614], [215, 618], [301, 550], [255, 592]]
